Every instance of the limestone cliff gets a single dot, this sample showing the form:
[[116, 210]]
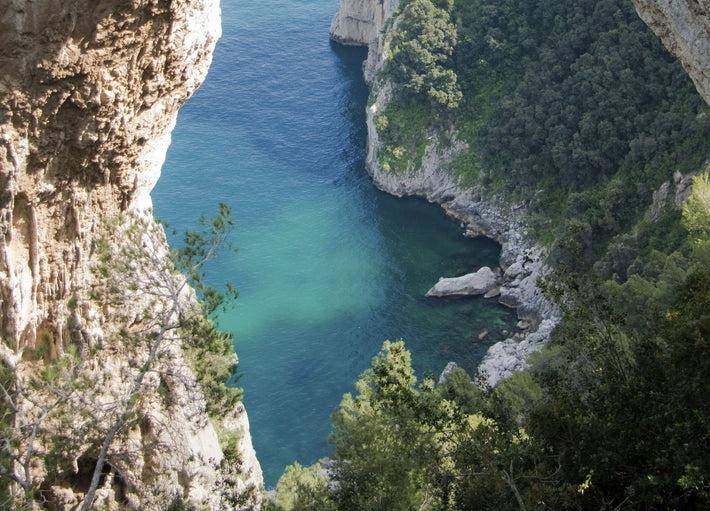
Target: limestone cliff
[[89, 94], [684, 27], [362, 23]]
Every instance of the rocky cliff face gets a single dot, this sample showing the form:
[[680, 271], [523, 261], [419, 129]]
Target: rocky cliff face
[[684, 27], [362, 23], [89, 94]]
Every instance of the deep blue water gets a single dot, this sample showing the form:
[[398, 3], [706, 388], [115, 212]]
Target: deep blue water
[[327, 266]]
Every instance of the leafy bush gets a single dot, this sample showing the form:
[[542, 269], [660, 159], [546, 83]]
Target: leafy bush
[[403, 132], [212, 356], [422, 43], [302, 489]]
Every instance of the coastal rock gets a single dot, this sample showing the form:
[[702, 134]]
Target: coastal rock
[[514, 270], [684, 28], [492, 293], [450, 368], [510, 355], [472, 284], [90, 92], [362, 23]]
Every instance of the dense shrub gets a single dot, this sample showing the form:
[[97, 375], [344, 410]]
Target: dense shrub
[[421, 46]]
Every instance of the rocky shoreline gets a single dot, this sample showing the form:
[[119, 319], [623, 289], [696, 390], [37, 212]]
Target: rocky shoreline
[[522, 261]]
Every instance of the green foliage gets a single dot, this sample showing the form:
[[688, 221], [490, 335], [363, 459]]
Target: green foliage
[[609, 416], [229, 442], [302, 489], [613, 414], [574, 108], [210, 350], [200, 246], [212, 356], [696, 216], [402, 128], [422, 44], [376, 433]]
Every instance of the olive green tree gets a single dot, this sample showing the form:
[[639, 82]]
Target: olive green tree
[[422, 43]]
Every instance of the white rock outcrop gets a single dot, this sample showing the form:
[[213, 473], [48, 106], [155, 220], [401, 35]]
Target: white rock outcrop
[[506, 357], [362, 23], [472, 284], [684, 28]]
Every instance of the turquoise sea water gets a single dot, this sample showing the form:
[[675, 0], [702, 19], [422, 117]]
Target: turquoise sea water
[[327, 266]]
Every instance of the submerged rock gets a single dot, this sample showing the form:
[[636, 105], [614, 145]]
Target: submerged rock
[[472, 284]]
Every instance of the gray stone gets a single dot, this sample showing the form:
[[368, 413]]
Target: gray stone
[[514, 270], [492, 293], [509, 297], [472, 284], [450, 367]]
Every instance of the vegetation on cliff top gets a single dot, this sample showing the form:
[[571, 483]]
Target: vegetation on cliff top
[[421, 45], [572, 107]]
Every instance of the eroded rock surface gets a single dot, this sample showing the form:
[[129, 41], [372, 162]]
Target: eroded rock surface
[[684, 28], [89, 94], [472, 284], [362, 23]]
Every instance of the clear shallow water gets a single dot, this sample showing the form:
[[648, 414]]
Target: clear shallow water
[[328, 267]]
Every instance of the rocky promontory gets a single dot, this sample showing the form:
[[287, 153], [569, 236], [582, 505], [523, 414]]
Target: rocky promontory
[[472, 284]]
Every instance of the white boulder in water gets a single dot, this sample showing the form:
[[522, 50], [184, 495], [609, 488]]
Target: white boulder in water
[[472, 284]]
